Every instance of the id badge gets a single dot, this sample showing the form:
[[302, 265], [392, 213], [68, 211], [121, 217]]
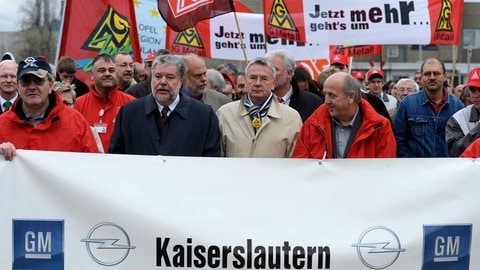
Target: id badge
[[100, 128]]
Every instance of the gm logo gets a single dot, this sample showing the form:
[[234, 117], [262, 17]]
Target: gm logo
[[38, 244], [107, 243], [378, 247], [447, 247]]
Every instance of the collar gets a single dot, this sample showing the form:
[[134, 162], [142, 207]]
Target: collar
[[474, 114], [352, 122], [52, 98], [2, 100], [171, 106], [181, 108], [287, 97]]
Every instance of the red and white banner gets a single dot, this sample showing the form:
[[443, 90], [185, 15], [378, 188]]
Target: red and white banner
[[364, 22], [183, 14], [96, 27], [356, 50], [220, 38], [92, 211]]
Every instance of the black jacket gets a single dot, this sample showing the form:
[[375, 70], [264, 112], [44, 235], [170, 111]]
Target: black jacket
[[304, 102], [192, 129]]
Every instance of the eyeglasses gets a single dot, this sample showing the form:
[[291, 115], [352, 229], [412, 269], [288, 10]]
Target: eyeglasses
[[254, 79], [27, 80]]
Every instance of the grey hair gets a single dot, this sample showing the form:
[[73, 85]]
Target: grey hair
[[287, 58], [404, 80], [352, 85], [170, 60], [215, 78], [263, 62]]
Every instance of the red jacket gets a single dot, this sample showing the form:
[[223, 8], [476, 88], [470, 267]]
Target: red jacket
[[91, 105], [64, 129], [473, 150], [374, 139]]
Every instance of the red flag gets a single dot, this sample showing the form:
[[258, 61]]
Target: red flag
[[447, 17], [183, 14], [106, 26], [284, 19], [195, 39]]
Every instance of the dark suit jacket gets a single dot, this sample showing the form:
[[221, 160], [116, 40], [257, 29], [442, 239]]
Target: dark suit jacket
[[192, 129], [304, 102], [140, 89]]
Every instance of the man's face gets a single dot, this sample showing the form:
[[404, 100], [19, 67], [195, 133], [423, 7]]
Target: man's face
[[8, 78], [66, 77], [241, 83], [124, 68], [196, 81], [34, 91], [418, 79], [166, 84], [457, 91], [339, 105], [404, 89], [475, 96], [283, 76], [375, 85], [140, 72], [148, 67], [260, 83], [103, 75], [433, 76]]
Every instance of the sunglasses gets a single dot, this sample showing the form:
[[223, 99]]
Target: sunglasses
[[27, 80]]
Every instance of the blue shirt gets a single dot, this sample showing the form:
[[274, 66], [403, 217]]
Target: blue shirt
[[419, 129]]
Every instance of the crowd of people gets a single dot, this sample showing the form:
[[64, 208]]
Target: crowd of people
[[175, 106]]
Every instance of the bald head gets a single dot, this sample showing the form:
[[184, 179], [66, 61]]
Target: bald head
[[342, 95], [196, 79]]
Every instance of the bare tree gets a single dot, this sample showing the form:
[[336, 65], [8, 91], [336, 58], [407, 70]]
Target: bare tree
[[39, 34]]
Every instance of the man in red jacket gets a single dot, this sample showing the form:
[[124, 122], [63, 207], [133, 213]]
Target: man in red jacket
[[39, 120], [101, 105], [345, 126]]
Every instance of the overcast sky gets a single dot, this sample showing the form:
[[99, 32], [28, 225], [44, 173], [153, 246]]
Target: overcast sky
[[9, 15]]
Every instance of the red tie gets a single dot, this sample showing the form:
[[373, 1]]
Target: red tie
[[165, 111], [280, 100]]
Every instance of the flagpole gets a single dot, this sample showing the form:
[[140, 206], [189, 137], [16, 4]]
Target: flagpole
[[63, 4], [454, 66], [242, 44]]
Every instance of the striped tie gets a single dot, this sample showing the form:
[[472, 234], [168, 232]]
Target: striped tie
[[164, 118]]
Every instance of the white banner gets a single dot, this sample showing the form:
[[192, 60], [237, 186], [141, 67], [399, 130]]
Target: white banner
[[360, 22], [92, 211], [225, 40]]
